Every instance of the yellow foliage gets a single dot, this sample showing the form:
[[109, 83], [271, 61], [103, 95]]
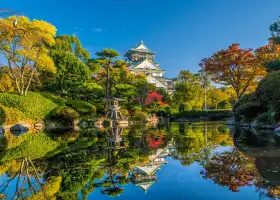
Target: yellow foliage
[[11, 115], [50, 189], [12, 166], [31, 49], [6, 83]]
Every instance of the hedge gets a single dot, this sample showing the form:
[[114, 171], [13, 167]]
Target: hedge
[[64, 112], [81, 106], [211, 114]]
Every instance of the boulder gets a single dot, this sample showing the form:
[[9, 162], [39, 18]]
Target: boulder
[[277, 130], [18, 129], [2, 131], [39, 125]]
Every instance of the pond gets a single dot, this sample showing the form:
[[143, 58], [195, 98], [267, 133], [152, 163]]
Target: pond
[[176, 160]]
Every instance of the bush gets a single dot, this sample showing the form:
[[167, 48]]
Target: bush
[[212, 114], [188, 107], [53, 98], [265, 119], [248, 106], [33, 145], [64, 112], [268, 91], [171, 111], [139, 116], [224, 105], [81, 106], [10, 115], [124, 112], [34, 105]]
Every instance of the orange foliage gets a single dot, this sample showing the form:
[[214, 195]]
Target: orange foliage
[[237, 67]]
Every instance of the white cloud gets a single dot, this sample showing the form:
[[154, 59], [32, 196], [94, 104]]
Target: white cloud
[[79, 29], [98, 30]]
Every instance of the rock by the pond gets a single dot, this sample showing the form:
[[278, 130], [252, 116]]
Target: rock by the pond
[[84, 124], [18, 129], [39, 125], [231, 121], [2, 131], [277, 130]]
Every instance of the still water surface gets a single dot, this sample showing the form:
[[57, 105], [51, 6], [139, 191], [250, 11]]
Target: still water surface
[[175, 161]]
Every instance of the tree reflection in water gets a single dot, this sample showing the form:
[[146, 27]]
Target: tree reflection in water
[[231, 169], [108, 160]]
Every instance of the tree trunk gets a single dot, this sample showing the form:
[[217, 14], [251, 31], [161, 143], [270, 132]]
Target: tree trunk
[[29, 81]]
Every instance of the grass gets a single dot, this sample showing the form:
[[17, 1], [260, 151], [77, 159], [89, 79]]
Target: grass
[[10, 115], [30, 144], [34, 105], [38, 106]]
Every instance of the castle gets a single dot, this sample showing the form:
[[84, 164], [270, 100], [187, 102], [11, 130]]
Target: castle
[[142, 60]]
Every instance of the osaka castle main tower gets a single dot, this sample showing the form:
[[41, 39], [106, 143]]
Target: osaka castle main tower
[[142, 60]]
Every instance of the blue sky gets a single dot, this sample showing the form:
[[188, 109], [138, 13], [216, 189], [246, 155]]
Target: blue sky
[[182, 32]]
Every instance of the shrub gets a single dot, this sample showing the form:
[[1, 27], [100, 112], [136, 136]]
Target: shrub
[[248, 106], [81, 106], [212, 114], [10, 115], [224, 105], [33, 145], [53, 98], [64, 112], [139, 116], [124, 112], [188, 107], [34, 105], [171, 111], [268, 91], [265, 118]]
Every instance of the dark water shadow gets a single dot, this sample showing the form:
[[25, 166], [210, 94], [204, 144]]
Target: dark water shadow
[[18, 130]]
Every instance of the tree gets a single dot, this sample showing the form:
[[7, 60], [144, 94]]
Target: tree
[[237, 67], [230, 169], [24, 44], [189, 93], [186, 76], [106, 60], [215, 96], [70, 59]]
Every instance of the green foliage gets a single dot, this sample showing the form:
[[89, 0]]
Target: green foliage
[[139, 116], [10, 115], [185, 107], [224, 105], [33, 105], [171, 111], [189, 92], [266, 118], [64, 112], [248, 106], [70, 60], [108, 53], [81, 106], [212, 114], [268, 92], [34, 145], [273, 65], [56, 99], [188, 107], [275, 28]]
